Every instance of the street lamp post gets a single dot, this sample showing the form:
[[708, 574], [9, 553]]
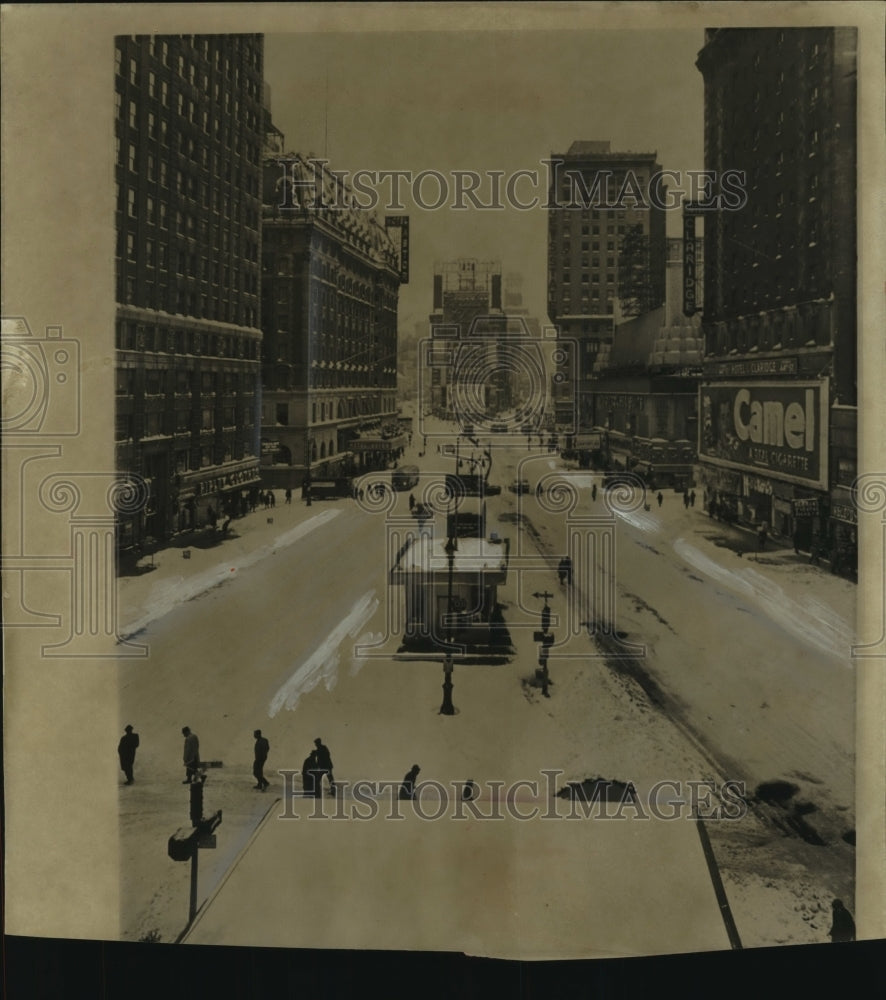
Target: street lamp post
[[306, 486], [546, 639], [451, 545]]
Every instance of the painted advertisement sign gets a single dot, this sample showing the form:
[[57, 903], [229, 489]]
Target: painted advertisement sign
[[776, 428]]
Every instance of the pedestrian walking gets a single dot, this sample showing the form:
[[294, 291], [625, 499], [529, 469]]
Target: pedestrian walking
[[761, 537], [594, 492], [272, 498], [686, 501], [692, 499], [659, 497], [126, 751], [262, 748], [564, 570], [324, 764], [288, 495], [545, 678], [407, 788], [842, 925], [191, 756]]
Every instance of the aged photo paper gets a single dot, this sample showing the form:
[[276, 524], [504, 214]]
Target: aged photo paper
[[238, 424]]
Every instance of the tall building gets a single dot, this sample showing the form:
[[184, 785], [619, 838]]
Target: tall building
[[189, 136], [598, 206], [330, 288], [464, 290], [778, 406]]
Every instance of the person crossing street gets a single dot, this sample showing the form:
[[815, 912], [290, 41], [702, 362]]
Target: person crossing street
[[262, 748]]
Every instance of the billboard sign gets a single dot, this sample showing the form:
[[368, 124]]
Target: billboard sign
[[776, 428]]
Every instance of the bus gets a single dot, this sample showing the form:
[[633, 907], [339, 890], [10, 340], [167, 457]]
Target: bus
[[404, 478]]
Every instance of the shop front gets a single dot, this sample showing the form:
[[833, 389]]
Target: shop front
[[756, 508], [375, 451], [843, 529]]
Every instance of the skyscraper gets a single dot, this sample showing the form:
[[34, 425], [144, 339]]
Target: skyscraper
[[189, 133], [778, 410], [598, 206], [330, 288]]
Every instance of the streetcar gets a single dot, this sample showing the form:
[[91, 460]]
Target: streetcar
[[404, 478]]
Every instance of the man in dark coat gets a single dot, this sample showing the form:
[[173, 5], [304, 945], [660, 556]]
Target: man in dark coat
[[324, 764], [262, 746], [407, 789], [191, 756], [126, 752], [309, 776], [842, 926]]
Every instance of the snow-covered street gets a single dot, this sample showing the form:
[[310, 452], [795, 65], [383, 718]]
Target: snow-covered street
[[746, 678]]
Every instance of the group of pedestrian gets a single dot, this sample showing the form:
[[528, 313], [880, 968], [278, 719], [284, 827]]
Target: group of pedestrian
[[129, 743], [688, 498], [269, 500]]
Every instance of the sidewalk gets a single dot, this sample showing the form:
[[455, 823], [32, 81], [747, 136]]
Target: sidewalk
[[203, 559]]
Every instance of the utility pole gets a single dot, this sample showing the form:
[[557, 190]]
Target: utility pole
[[185, 843]]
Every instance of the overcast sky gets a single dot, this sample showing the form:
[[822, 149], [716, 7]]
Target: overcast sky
[[484, 101]]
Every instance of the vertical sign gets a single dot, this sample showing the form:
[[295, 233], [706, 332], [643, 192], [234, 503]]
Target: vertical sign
[[689, 301], [401, 222]]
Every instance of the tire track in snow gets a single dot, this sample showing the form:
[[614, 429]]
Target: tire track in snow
[[811, 621], [322, 664]]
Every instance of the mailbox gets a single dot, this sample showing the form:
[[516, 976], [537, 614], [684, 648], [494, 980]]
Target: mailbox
[[182, 844]]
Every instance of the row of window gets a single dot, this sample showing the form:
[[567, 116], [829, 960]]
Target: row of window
[[227, 139], [148, 425], [158, 255], [596, 278], [190, 225], [148, 294], [185, 382], [223, 53], [211, 121], [222, 195], [132, 336]]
